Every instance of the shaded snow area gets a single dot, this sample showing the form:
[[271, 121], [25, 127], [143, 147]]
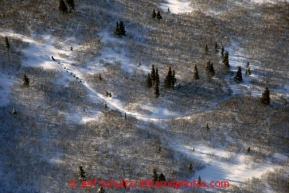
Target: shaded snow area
[[6, 82], [226, 166]]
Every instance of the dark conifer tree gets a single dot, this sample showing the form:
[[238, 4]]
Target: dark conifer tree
[[70, 4], [248, 150], [14, 111], [265, 99], [199, 180], [249, 71], [155, 176], [238, 78], [101, 190], [156, 90], [99, 77], [206, 48], [169, 10], [196, 73], [248, 64], [62, 6], [168, 79], [25, 80], [226, 59], [174, 80], [162, 177], [153, 73], [159, 17], [149, 81], [125, 116], [81, 173], [157, 76], [121, 28], [154, 14], [190, 166], [208, 128], [222, 51], [117, 30], [6, 43], [210, 68], [216, 47]]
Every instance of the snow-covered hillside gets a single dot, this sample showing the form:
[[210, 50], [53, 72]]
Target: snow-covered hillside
[[65, 118]]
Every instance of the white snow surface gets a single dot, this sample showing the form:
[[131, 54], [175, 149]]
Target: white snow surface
[[177, 6]]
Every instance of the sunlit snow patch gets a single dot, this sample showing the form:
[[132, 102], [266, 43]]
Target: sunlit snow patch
[[177, 6]]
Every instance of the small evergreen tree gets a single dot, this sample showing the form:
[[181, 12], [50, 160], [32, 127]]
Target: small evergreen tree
[[169, 10], [174, 80], [155, 175], [162, 177], [222, 51], [210, 68], [125, 116], [25, 80], [208, 128], [70, 4], [247, 65], [265, 99], [81, 173], [62, 6], [190, 166], [99, 77], [101, 190], [199, 180], [226, 59], [6, 43], [153, 73], [196, 73], [117, 30], [156, 90], [157, 76], [216, 46], [121, 28], [168, 79], [149, 81], [105, 106], [159, 17], [238, 78], [154, 14], [14, 111], [206, 48], [248, 150]]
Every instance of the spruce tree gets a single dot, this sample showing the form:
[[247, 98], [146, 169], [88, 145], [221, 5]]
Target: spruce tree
[[206, 48], [149, 81], [125, 116], [101, 190], [199, 180], [169, 10], [168, 79], [196, 73], [226, 59], [174, 80], [156, 90], [248, 150], [99, 77], [248, 64], [70, 4], [222, 51], [157, 76], [153, 73], [155, 175], [6, 43], [162, 177], [81, 173], [159, 17], [216, 47], [121, 28], [62, 6], [238, 78], [265, 99], [190, 166], [208, 128], [210, 68], [117, 30], [154, 14], [14, 111], [25, 80]]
